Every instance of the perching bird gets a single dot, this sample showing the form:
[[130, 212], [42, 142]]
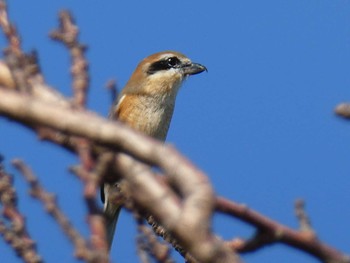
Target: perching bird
[[147, 103]]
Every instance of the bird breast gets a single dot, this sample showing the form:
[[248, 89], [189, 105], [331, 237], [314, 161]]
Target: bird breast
[[148, 114]]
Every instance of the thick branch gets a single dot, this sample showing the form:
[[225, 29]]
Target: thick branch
[[184, 220], [194, 185]]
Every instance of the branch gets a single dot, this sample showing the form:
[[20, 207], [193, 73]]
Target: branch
[[9, 29], [343, 110], [181, 173], [187, 220], [83, 251], [67, 34], [16, 234], [149, 244], [96, 219], [269, 231]]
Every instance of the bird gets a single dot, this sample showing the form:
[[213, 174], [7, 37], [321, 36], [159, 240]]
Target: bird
[[146, 104]]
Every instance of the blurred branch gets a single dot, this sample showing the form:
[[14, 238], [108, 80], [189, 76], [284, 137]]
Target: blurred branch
[[96, 219], [303, 218], [269, 231], [149, 244], [343, 110], [82, 250], [21, 72], [16, 234], [180, 173], [162, 232], [67, 33], [192, 209], [16, 60], [111, 86], [9, 30]]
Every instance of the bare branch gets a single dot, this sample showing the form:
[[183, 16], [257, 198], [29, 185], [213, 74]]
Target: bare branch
[[49, 201], [111, 85], [148, 244], [9, 29], [16, 234], [195, 186], [304, 220], [67, 33], [21, 66], [193, 211], [95, 215], [343, 110], [270, 231]]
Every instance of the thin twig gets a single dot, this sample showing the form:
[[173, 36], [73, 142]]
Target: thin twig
[[37, 191], [111, 85], [149, 244], [68, 33], [16, 234], [20, 64], [303, 218], [95, 215], [9, 29]]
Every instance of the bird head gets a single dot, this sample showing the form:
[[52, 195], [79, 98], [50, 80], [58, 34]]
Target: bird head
[[160, 73]]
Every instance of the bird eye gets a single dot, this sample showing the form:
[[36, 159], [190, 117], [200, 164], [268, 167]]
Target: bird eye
[[173, 61], [164, 64]]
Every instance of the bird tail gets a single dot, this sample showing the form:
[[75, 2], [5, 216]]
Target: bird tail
[[111, 212]]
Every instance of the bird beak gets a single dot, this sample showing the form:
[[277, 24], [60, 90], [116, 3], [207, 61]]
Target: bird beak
[[193, 68]]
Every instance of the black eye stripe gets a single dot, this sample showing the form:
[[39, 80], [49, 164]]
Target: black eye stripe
[[164, 64]]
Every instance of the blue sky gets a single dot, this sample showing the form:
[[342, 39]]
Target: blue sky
[[260, 123]]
